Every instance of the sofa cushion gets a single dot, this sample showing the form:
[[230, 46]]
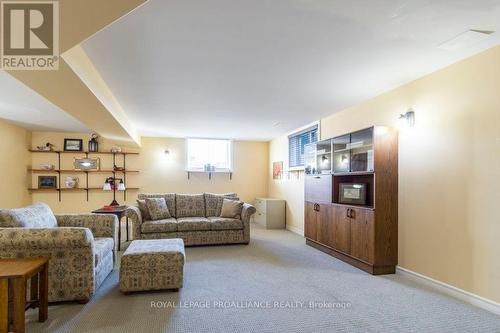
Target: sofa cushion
[[225, 223], [213, 202], [157, 208], [144, 210], [169, 198], [166, 225], [38, 215], [193, 224], [190, 205], [102, 247], [231, 208]]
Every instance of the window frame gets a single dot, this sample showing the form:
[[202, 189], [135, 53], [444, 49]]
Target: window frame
[[299, 131], [222, 170]]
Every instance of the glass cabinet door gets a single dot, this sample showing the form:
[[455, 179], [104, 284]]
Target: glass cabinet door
[[362, 150], [342, 153], [310, 159], [324, 157]]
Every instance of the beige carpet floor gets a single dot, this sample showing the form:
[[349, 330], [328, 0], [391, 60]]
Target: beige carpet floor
[[275, 284]]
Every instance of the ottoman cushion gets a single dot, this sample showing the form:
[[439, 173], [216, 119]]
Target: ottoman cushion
[[152, 265]]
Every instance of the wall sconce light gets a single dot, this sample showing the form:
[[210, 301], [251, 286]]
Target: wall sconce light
[[408, 117]]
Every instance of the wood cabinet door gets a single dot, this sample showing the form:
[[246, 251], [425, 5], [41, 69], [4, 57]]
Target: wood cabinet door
[[318, 188], [310, 221], [362, 234], [342, 229], [325, 225]]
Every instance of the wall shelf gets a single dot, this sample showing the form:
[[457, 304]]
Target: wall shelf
[[81, 171], [209, 173], [81, 152], [60, 172]]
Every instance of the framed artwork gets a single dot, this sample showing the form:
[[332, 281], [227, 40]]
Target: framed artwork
[[82, 164], [47, 182], [73, 145], [277, 170]]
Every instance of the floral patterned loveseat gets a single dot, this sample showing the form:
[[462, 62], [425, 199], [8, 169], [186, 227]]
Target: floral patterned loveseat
[[81, 247], [195, 218]]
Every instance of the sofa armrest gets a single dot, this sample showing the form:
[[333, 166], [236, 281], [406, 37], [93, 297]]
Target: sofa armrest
[[247, 212], [134, 214], [19, 239], [101, 225]]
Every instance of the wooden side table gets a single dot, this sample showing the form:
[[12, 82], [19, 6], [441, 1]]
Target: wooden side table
[[119, 212], [14, 273]]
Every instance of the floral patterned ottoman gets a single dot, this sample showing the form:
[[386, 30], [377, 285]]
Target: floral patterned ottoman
[[152, 265]]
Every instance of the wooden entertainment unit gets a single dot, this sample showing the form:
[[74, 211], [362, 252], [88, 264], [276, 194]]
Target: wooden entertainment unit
[[364, 235]]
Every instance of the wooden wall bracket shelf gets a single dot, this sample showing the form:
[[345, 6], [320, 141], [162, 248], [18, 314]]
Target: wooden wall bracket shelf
[[60, 171]]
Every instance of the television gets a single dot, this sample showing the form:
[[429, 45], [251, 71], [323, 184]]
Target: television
[[352, 193]]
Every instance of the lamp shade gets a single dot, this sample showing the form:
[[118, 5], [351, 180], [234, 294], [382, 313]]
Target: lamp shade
[[107, 186], [121, 186]]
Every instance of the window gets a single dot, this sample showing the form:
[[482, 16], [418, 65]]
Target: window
[[216, 152], [296, 143]]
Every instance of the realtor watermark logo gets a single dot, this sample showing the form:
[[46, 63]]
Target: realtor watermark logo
[[29, 35]]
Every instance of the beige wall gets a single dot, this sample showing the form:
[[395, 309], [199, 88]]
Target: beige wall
[[14, 142], [158, 172], [449, 171]]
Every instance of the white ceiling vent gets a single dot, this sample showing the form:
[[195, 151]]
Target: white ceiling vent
[[465, 39]]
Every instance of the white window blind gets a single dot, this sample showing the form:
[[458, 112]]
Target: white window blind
[[216, 152], [296, 143]]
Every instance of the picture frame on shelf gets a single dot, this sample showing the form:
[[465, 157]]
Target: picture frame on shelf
[[47, 182], [73, 144], [86, 164]]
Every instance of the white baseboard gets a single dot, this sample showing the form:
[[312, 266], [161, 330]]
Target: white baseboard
[[295, 230], [452, 291]]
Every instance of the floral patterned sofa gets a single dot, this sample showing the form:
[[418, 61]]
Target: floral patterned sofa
[[195, 218], [81, 247]]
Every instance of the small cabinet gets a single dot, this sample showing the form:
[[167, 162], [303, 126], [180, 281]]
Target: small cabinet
[[362, 233], [310, 221], [353, 230], [342, 229], [324, 157], [318, 188], [353, 152], [319, 223]]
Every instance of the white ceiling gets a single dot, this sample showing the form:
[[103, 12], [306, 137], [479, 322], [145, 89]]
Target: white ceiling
[[24, 107], [234, 68]]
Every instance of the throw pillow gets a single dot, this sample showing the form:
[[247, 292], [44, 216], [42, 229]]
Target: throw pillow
[[157, 208], [144, 210], [231, 208]]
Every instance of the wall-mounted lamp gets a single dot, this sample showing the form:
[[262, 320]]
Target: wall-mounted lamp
[[408, 117]]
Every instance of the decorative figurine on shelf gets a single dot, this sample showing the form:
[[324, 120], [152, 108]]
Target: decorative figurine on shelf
[[93, 143], [46, 147], [71, 182], [116, 149], [117, 168]]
